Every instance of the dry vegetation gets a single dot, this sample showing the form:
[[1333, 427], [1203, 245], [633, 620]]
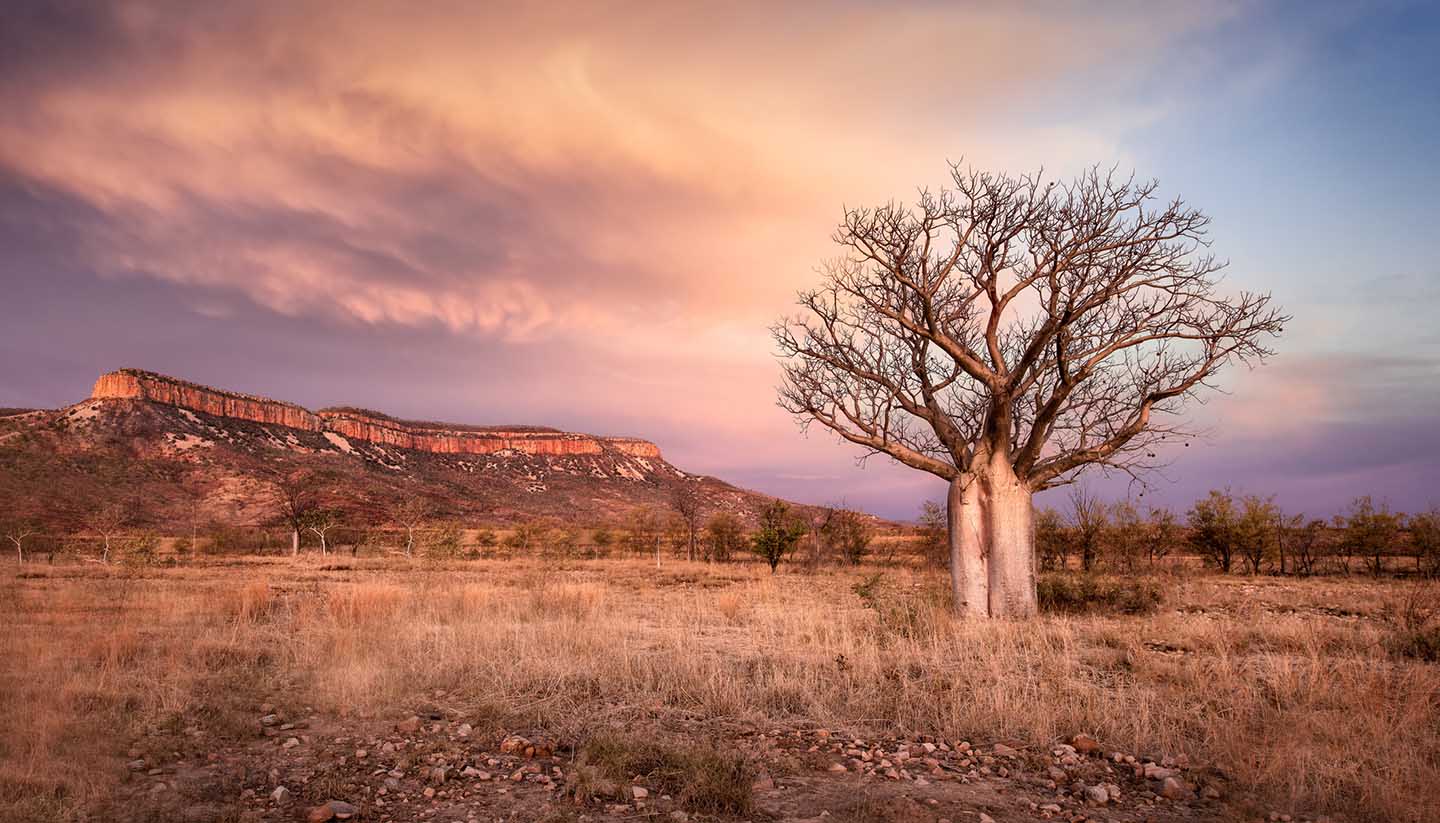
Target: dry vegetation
[[1298, 689]]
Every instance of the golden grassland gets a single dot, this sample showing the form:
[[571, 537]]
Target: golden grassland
[[1291, 686]]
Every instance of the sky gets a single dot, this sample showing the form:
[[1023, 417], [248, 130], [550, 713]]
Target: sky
[[587, 215]]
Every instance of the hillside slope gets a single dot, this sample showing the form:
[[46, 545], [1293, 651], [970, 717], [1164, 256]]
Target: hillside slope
[[176, 453]]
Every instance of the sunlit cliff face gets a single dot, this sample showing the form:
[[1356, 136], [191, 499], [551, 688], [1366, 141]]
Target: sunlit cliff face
[[598, 207]]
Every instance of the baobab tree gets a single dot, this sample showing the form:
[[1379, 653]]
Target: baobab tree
[[1007, 333]]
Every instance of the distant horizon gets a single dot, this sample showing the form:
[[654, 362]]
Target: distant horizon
[[586, 219]]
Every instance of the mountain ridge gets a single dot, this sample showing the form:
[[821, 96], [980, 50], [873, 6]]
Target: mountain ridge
[[169, 448]]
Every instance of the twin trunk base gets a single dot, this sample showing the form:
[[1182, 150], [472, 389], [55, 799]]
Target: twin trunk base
[[992, 544]]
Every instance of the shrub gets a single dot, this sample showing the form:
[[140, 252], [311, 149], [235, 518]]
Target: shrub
[[778, 535], [1052, 540], [227, 539], [1415, 624], [724, 536], [934, 534], [486, 539], [1214, 527], [600, 542], [848, 532], [1087, 594], [442, 543], [139, 550]]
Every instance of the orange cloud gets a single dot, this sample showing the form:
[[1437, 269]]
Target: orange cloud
[[529, 170]]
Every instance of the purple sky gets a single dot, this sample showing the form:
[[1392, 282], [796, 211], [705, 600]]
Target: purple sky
[[587, 219]]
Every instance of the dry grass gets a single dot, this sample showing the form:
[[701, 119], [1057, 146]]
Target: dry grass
[[1306, 707]]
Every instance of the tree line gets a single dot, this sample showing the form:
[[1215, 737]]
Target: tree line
[[303, 508], [1232, 533]]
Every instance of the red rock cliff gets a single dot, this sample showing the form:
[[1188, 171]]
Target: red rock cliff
[[359, 424], [133, 384], [445, 439]]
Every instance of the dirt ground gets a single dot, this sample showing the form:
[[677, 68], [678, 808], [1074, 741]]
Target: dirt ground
[[261, 690]]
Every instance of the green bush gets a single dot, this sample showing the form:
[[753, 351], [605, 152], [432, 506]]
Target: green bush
[[1064, 593]]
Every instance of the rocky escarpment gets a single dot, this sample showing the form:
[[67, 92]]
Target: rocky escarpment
[[446, 438], [133, 384], [364, 425]]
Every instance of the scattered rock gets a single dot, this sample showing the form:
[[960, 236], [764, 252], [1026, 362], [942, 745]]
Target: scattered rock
[[269, 719], [1154, 772], [136, 765], [320, 814], [280, 795], [343, 810], [985, 818], [410, 724], [290, 743], [1174, 789], [639, 792], [1098, 795], [838, 767], [1002, 750]]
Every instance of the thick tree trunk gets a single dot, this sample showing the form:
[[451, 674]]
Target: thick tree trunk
[[969, 580], [992, 543], [294, 542]]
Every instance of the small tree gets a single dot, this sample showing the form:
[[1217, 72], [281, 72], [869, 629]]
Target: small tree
[[849, 533], [1306, 542], [564, 541], [1091, 524], [1370, 532], [486, 539], [297, 498], [411, 513], [107, 521], [1213, 523], [1052, 540], [443, 543], [601, 540], [689, 510], [934, 528], [1161, 534], [643, 533], [1125, 536], [319, 522], [1425, 536], [1254, 531], [778, 535], [18, 532], [527, 537], [724, 536]]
